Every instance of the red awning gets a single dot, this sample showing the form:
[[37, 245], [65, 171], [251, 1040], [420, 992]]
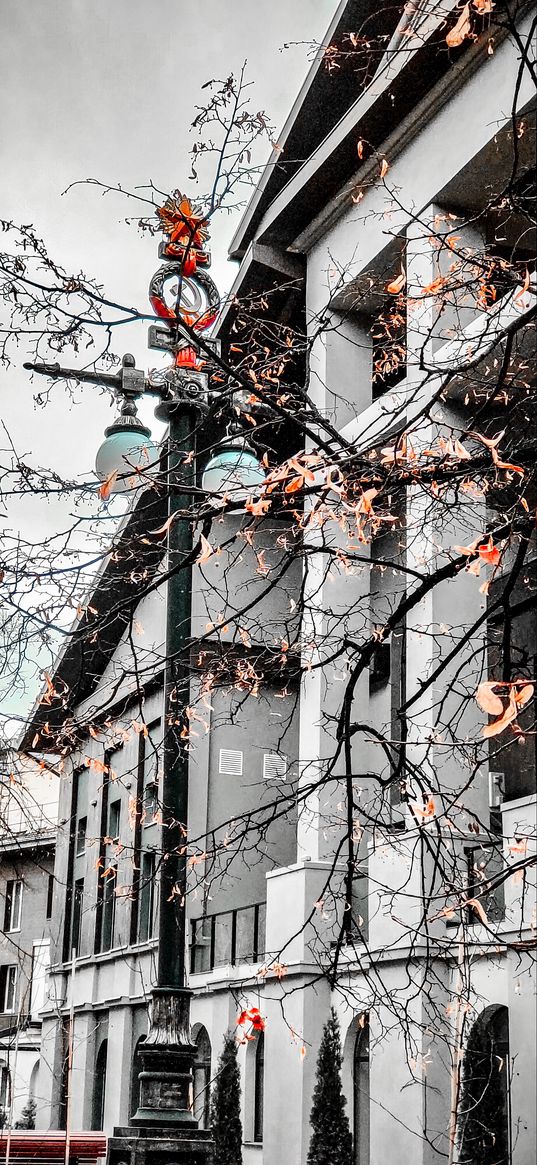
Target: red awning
[[47, 1148]]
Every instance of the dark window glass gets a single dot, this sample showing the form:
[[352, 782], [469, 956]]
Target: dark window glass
[[8, 988], [259, 1083], [361, 1094], [78, 906], [13, 907], [146, 924], [81, 831], [483, 1119], [109, 909], [202, 1079], [260, 938], [50, 894], [114, 818], [200, 947], [484, 865], [99, 1087]]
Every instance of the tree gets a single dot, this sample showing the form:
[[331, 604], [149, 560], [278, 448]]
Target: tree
[[331, 1140], [379, 537], [225, 1106], [27, 1117]]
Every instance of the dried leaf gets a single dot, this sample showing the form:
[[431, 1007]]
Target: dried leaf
[[206, 551], [384, 167], [397, 284], [461, 30], [487, 700]]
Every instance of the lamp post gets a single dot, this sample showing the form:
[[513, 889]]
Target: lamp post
[[164, 1127]]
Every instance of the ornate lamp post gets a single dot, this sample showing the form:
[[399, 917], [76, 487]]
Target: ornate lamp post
[[164, 1129]]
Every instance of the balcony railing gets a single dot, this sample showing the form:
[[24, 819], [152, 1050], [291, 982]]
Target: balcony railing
[[228, 938]]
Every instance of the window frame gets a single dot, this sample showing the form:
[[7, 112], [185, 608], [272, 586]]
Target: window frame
[[13, 907]]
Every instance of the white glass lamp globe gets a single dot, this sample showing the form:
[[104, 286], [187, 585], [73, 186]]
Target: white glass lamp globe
[[127, 452], [234, 470]]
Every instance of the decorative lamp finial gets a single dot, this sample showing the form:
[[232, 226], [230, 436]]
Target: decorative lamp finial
[[179, 292]]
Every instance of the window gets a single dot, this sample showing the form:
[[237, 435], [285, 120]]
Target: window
[[146, 917], [259, 1083], [50, 895], [13, 908], [274, 766], [8, 988], [151, 752], [78, 906], [99, 1087], [230, 763], [238, 936], [114, 818], [202, 1079], [109, 909], [81, 831], [483, 1118], [361, 1092], [150, 804], [5, 1092], [484, 865]]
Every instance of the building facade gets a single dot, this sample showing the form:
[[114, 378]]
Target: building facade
[[28, 812], [327, 236]]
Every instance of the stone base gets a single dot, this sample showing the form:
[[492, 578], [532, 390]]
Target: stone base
[[161, 1146]]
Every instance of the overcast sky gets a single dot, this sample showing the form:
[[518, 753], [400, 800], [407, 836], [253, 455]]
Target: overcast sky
[[107, 89]]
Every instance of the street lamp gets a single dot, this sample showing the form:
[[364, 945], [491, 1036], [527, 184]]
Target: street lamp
[[167, 1055]]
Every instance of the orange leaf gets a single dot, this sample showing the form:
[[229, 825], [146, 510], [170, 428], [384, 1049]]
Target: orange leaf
[[488, 552], [397, 284], [461, 29], [478, 909], [164, 529], [108, 485], [384, 167], [206, 550], [509, 714], [360, 149], [487, 699], [524, 695]]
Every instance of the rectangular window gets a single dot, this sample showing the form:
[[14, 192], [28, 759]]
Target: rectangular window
[[485, 868], [223, 937], [114, 821], [230, 762], [146, 922], [13, 908], [152, 745], [78, 905], [50, 895], [274, 767], [81, 831], [8, 988], [150, 805], [109, 909], [245, 935]]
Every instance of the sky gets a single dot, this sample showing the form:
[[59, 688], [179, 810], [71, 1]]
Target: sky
[[107, 89]]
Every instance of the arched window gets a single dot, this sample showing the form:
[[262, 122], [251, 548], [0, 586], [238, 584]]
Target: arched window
[[361, 1093], [202, 1079], [259, 1084], [135, 1077], [99, 1087], [484, 1133]]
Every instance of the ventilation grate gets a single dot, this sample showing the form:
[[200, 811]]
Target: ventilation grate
[[230, 762], [274, 766]]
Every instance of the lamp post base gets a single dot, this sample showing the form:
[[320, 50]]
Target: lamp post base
[[167, 1145]]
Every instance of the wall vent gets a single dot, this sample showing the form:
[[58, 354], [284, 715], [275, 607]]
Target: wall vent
[[274, 766], [230, 762]]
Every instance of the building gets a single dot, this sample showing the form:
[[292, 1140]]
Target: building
[[326, 236], [28, 814]]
